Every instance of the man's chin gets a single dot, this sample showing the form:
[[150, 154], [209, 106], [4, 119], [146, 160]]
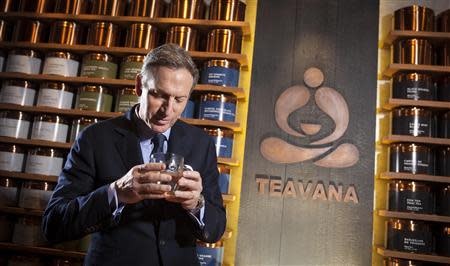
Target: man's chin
[[160, 127]]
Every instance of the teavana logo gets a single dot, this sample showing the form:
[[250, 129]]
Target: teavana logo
[[329, 101]]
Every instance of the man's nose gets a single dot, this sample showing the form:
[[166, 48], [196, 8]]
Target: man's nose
[[168, 105]]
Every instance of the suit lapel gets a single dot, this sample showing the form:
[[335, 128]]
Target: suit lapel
[[127, 143], [178, 141]]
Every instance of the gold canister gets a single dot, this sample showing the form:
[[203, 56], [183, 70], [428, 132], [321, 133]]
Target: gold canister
[[36, 6], [413, 51], [141, 35], [7, 5], [224, 41], [73, 7], [103, 34], [444, 54], [145, 8], [190, 9], [416, 18], [108, 7], [65, 32], [443, 21], [32, 31], [401, 262], [185, 37], [230, 10], [3, 30]]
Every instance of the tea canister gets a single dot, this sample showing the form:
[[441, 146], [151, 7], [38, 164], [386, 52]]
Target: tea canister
[[55, 94], [19, 92], [9, 190], [103, 34], [24, 61], [62, 64], [184, 36], [131, 66], [65, 32], [224, 41], [443, 121], [94, 98], [443, 21], [443, 241], [414, 121], [229, 10], [223, 140], [8, 5], [410, 196], [26, 260], [413, 51], [411, 158], [443, 88], [224, 178], [108, 7], [126, 98], [99, 66], [27, 231], [443, 200], [189, 110], [50, 127], [188, 9], [221, 72], [11, 157], [443, 161], [141, 35], [145, 8], [31, 31], [401, 262], [443, 54], [44, 161], [409, 236], [6, 228], [415, 18], [79, 124], [74, 7], [217, 106], [414, 86], [15, 124], [210, 253], [36, 6], [35, 194]]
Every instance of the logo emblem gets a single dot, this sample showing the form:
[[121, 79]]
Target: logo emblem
[[323, 152]]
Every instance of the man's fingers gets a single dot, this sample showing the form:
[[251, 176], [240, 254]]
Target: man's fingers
[[151, 167], [152, 188], [153, 177], [192, 175]]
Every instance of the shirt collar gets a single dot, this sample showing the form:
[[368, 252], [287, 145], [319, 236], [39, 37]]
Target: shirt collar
[[143, 130]]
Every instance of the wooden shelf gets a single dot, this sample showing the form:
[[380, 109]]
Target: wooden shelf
[[27, 176], [41, 250], [394, 68], [238, 92], [414, 216], [212, 123], [228, 234], [404, 138], [35, 142], [228, 161], [412, 256], [416, 177], [116, 51], [435, 37], [161, 23], [227, 198], [23, 211], [394, 102]]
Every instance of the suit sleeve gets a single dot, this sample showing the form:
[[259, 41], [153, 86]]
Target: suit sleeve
[[77, 206], [214, 217]]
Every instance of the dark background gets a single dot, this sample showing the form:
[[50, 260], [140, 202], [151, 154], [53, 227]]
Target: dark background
[[340, 38]]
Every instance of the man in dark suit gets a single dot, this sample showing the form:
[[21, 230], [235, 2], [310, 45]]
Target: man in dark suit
[[108, 189]]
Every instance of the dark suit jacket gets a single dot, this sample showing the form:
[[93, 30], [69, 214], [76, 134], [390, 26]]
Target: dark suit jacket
[[79, 205]]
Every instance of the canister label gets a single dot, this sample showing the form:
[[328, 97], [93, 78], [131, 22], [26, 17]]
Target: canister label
[[217, 110], [224, 147], [88, 100], [420, 163], [98, 69], [55, 98], [414, 90], [129, 70], [443, 204], [60, 66], [409, 201], [14, 128], [126, 102], [189, 110], [23, 64], [43, 165], [8, 196], [10, 161], [49, 131], [410, 126], [410, 241], [220, 76], [17, 95], [34, 198], [224, 182], [210, 256]]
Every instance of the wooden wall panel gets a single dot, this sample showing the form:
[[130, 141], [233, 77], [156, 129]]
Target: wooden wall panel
[[340, 38]]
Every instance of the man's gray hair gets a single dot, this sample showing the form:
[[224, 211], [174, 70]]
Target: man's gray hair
[[168, 55]]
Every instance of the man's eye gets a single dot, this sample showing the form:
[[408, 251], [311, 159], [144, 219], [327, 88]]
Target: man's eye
[[180, 99]]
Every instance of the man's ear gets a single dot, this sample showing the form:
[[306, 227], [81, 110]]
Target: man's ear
[[138, 85]]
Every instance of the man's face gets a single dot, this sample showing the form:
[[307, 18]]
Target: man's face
[[164, 99]]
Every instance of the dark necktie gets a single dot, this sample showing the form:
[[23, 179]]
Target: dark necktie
[[158, 143]]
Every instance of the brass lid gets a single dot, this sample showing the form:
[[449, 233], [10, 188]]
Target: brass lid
[[19, 115], [95, 88], [108, 7], [134, 58], [64, 32], [141, 35], [184, 36], [20, 83], [65, 55], [214, 96], [49, 152], [13, 148], [40, 185], [57, 86], [219, 132], [412, 111], [414, 76], [413, 186], [145, 8], [189, 9], [230, 10], [99, 57], [222, 63], [84, 121], [409, 225], [416, 9], [29, 221], [127, 91], [414, 42], [210, 245], [103, 34], [29, 53], [409, 147], [74, 7], [401, 262], [446, 231], [223, 169], [51, 118], [8, 182]]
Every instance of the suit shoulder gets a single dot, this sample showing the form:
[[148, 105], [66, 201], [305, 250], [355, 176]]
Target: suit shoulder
[[193, 131]]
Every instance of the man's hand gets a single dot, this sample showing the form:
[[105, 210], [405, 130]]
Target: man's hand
[[189, 189], [142, 182]]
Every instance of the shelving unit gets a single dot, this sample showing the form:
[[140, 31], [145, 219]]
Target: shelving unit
[[412, 256], [414, 216], [42, 250], [404, 138], [433, 36], [394, 102], [418, 177], [433, 69]]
